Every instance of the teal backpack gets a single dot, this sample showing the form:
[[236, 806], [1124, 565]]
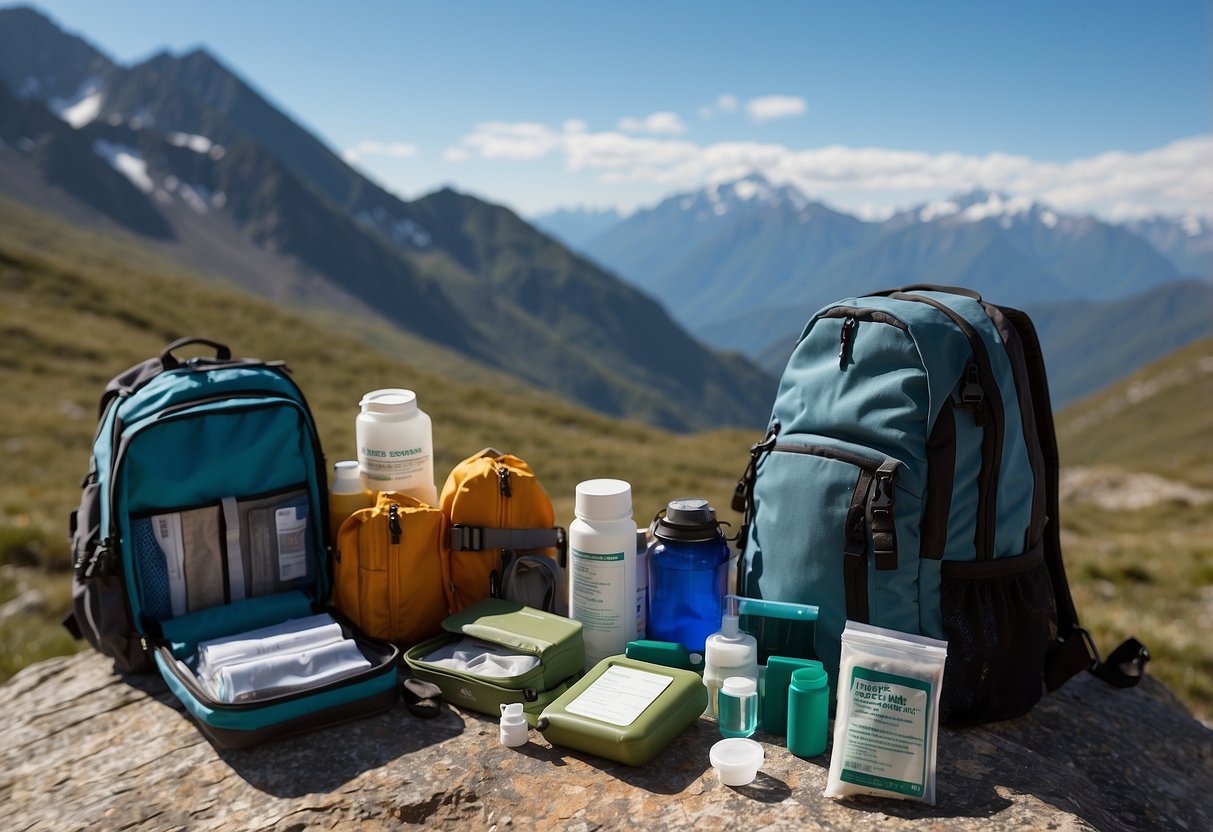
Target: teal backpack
[[203, 515], [909, 479]]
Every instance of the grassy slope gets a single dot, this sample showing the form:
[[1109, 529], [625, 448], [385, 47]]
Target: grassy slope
[[1149, 572], [76, 308]]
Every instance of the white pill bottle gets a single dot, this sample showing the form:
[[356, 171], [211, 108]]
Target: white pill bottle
[[396, 444], [602, 568]]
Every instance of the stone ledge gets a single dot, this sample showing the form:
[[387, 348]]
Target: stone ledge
[[84, 748]]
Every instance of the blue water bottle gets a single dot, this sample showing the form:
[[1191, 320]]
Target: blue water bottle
[[688, 572]]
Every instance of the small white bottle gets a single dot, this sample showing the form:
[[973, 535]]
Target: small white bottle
[[602, 568], [728, 652], [396, 444], [347, 494]]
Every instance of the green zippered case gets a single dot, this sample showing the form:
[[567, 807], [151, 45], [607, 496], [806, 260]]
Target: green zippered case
[[554, 640]]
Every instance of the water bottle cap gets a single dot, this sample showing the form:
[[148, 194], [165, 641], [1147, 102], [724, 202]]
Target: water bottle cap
[[392, 401], [689, 520], [603, 499]]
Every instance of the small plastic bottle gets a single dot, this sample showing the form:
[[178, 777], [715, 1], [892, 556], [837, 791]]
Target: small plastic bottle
[[347, 494], [808, 711], [738, 706], [729, 652], [602, 568], [513, 730]]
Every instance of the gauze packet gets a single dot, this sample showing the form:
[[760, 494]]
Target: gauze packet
[[886, 724]]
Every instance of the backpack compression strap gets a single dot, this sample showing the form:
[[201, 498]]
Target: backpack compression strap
[[1074, 650]]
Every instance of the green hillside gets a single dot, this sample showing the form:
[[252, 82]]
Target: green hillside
[[1137, 516], [76, 308]]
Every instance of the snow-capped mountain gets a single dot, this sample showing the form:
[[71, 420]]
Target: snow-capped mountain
[[1186, 241], [183, 152]]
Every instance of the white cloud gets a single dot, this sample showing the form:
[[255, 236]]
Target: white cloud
[[1174, 179], [767, 107], [456, 154], [395, 150], [663, 123], [575, 125], [519, 141], [726, 102]]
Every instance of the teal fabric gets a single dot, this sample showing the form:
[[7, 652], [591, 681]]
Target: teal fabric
[[253, 716], [190, 437], [882, 402]]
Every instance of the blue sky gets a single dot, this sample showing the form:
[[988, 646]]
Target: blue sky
[[1102, 107]]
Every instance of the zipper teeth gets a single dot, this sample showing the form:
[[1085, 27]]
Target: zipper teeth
[[859, 461]]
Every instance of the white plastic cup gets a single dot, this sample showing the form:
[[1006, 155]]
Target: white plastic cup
[[736, 760]]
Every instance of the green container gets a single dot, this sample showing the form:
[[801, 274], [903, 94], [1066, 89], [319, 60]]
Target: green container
[[625, 710], [555, 640]]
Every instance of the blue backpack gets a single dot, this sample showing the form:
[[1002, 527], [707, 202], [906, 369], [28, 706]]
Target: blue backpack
[[203, 515], [909, 480]]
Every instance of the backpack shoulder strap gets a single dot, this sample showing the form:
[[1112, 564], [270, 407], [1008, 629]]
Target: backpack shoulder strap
[[1073, 650]]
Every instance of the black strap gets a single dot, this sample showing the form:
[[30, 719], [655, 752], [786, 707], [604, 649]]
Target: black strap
[[170, 361], [1074, 650], [927, 287], [73, 626], [465, 538], [855, 551]]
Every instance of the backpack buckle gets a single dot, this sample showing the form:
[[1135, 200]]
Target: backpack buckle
[[466, 538], [969, 395]]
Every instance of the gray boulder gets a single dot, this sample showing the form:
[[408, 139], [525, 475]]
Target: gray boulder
[[83, 748]]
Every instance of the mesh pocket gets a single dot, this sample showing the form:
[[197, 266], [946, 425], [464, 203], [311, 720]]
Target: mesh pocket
[[999, 619]]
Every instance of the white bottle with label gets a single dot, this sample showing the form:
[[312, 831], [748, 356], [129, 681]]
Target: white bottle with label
[[396, 444], [602, 568], [728, 652]]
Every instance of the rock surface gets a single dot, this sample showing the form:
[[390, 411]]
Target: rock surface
[[83, 748]]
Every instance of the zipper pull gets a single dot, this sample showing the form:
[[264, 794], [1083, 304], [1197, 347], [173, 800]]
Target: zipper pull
[[503, 474], [845, 339], [393, 523]]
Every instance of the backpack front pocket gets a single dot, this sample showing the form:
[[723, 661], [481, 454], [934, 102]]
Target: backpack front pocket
[[850, 549]]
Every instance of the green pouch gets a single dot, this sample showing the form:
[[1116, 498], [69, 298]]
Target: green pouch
[[510, 628], [625, 710]]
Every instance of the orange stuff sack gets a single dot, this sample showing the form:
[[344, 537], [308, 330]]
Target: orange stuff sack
[[388, 569], [503, 541]]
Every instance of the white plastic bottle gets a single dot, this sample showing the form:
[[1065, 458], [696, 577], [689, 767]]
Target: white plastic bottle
[[347, 494], [396, 444], [602, 568], [728, 652]]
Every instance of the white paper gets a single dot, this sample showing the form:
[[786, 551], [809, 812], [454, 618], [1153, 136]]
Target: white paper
[[167, 529], [292, 543], [289, 672], [620, 695]]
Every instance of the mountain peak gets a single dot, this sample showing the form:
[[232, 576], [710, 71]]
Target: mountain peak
[[979, 204]]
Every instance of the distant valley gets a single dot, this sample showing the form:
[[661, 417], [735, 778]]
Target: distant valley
[[744, 264]]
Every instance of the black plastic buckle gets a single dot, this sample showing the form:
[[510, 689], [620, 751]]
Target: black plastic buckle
[[467, 538]]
